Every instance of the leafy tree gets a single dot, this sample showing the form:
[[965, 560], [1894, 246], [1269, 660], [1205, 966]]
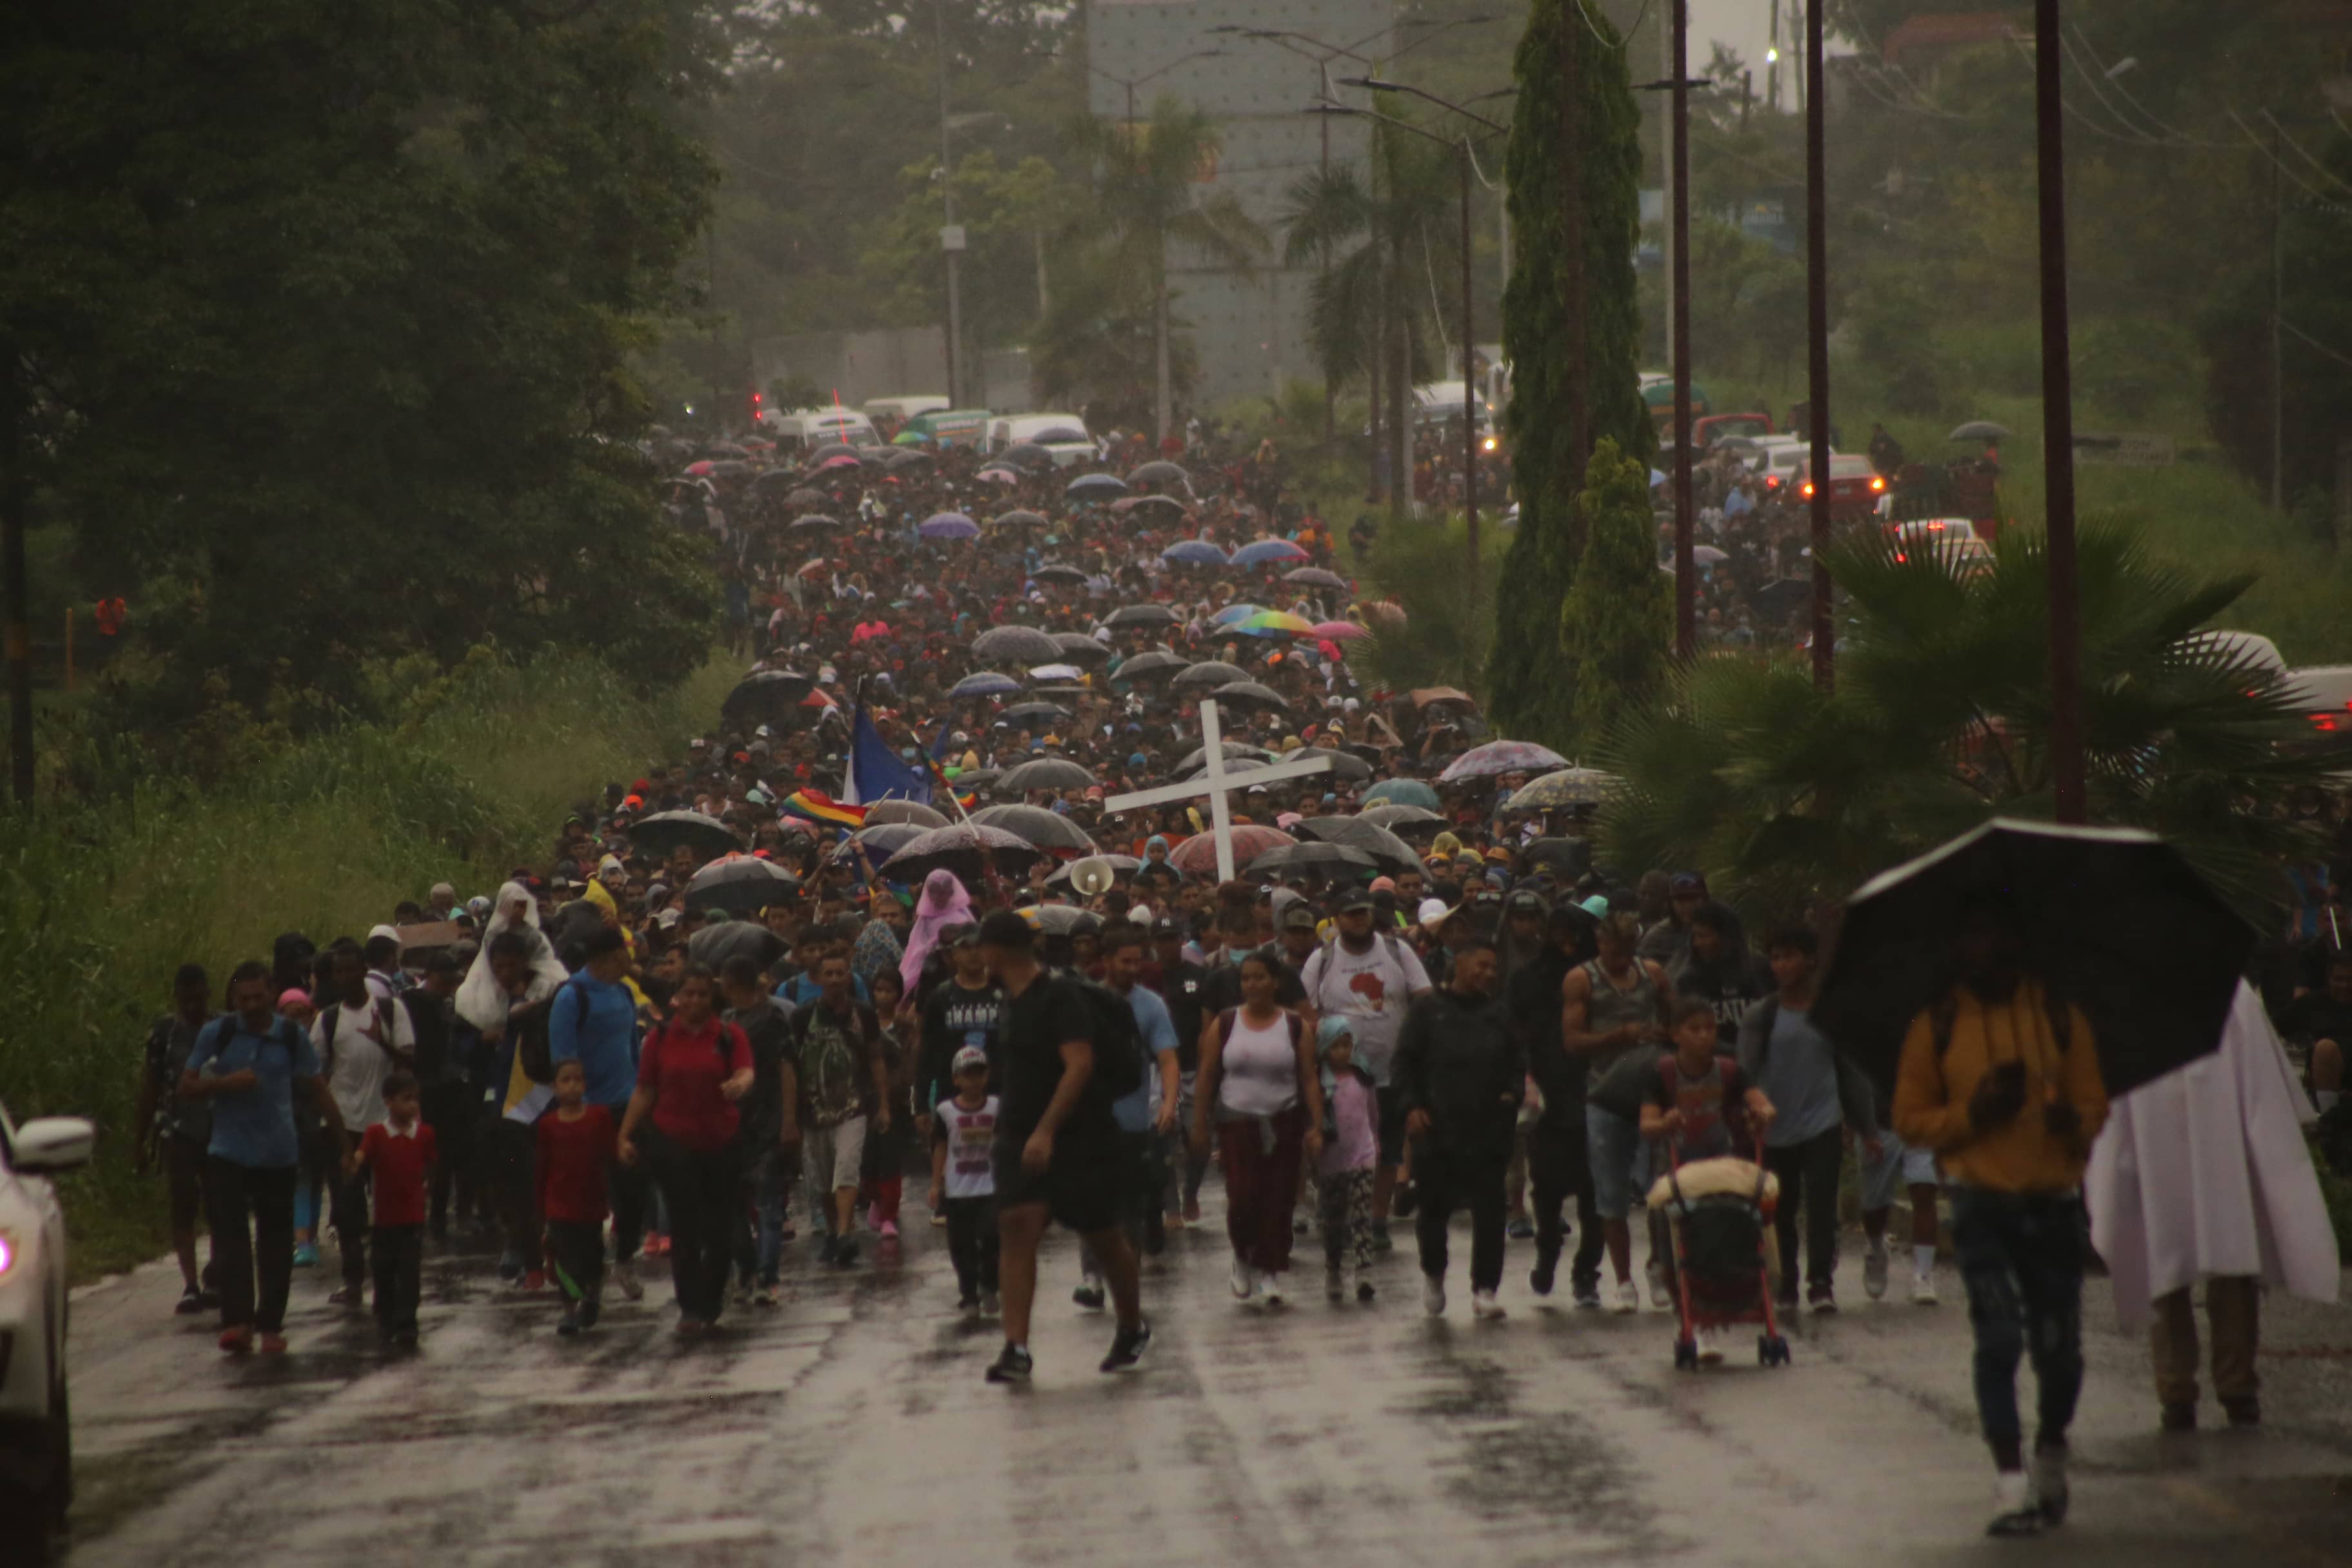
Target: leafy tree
[[347, 376], [1570, 331], [1423, 566], [1617, 623], [1941, 719], [1149, 193]]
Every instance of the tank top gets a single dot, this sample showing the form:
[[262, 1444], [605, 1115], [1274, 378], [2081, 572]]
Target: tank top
[[1612, 1009], [1260, 1069]]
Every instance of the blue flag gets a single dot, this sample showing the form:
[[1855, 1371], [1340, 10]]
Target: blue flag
[[874, 772]]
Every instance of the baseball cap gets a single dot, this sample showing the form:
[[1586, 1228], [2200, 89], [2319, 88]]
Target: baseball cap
[[969, 1059], [1299, 916], [1433, 912], [1686, 883], [1357, 898], [1166, 926], [1525, 902]]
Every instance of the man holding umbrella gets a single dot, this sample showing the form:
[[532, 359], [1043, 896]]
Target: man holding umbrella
[[2002, 1080]]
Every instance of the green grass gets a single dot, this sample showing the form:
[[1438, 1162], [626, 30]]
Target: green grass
[[103, 904]]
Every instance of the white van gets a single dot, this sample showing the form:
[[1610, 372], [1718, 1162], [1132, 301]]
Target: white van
[[890, 414], [1063, 435], [1440, 402], [803, 429]]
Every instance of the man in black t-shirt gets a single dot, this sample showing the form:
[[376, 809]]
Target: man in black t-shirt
[[1557, 1166], [965, 1009], [1183, 986], [1057, 1150]]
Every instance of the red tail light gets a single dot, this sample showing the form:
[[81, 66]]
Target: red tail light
[[1808, 491], [1876, 482]]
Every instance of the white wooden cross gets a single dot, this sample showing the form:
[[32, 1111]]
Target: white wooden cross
[[1216, 784]]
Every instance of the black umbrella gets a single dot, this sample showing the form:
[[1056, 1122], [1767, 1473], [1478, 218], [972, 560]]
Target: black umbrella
[[1249, 694], [914, 811], [1325, 859], [1046, 772], [1393, 853], [1019, 518], [1158, 472], [716, 945], [1153, 661], [743, 885], [1572, 858], [1035, 713], [1210, 673], [1314, 577], [666, 831], [882, 840], [1048, 830], [777, 478], [1079, 648], [1016, 644], [772, 694], [2110, 918], [1402, 818], [725, 449], [811, 521], [806, 498], [1055, 572], [1979, 430], [905, 457], [1027, 455], [1232, 749], [976, 779], [960, 850], [1140, 615], [833, 449]]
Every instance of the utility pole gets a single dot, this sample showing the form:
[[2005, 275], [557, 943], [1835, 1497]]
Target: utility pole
[[717, 354], [1772, 61], [14, 617], [1469, 387], [2067, 770], [1678, 323], [950, 240], [1817, 347], [2278, 308]]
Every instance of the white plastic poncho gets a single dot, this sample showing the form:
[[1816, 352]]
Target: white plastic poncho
[[479, 1000], [2204, 1173]]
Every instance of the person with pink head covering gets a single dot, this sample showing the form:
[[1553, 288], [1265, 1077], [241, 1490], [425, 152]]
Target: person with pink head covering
[[944, 903]]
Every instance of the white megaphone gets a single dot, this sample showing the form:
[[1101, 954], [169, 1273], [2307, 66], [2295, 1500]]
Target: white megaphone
[[1092, 877]]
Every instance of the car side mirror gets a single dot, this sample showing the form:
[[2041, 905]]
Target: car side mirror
[[49, 1146]]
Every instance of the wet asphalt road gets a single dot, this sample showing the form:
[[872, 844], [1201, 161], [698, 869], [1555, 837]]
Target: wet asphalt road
[[853, 1426]]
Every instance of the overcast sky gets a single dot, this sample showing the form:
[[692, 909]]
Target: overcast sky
[[1746, 25]]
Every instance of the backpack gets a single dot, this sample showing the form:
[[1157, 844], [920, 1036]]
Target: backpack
[[1118, 1044], [379, 1008]]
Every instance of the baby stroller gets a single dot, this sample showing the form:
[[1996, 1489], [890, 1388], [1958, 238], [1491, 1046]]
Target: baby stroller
[[1719, 1211]]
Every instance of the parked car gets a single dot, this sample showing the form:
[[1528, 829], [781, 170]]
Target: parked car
[[946, 427], [1062, 435], [36, 1420], [1717, 427], [1854, 486], [804, 429], [1775, 459], [890, 414], [2323, 692]]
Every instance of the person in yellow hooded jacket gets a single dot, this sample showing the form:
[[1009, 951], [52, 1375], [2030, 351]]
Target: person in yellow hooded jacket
[[2001, 1077]]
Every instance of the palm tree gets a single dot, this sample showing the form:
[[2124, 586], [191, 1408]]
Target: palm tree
[[1370, 307], [1151, 175], [1941, 719]]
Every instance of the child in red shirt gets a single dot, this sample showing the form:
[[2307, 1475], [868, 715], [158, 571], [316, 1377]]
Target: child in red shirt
[[575, 1141], [398, 1152]]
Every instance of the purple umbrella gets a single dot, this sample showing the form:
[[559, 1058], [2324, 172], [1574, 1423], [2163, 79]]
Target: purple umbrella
[[1265, 550], [948, 525], [1194, 552]]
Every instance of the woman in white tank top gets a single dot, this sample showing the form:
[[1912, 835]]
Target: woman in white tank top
[[1257, 1069]]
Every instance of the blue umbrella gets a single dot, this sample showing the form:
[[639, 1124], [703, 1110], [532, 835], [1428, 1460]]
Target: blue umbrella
[[1088, 487], [1232, 613], [948, 525], [1195, 552], [1265, 550], [987, 683]]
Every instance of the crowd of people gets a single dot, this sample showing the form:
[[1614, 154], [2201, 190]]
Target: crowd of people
[[734, 997]]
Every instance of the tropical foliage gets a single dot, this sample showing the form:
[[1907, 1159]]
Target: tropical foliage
[[1617, 622], [1941, 718]]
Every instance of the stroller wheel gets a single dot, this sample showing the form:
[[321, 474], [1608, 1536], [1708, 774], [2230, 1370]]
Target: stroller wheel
[[1686, 1354], [1772, 1350]]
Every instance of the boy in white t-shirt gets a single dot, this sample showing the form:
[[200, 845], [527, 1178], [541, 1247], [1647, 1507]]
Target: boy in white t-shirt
[[963, 1179]]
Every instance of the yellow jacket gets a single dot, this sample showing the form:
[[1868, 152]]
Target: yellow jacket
[[1932, 1093]]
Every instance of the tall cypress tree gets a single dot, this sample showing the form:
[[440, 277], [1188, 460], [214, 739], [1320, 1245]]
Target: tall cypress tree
[[1571, 333], [1617, 623]]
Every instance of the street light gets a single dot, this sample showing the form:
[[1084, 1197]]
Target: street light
[[1132, 82], [1469, 335]]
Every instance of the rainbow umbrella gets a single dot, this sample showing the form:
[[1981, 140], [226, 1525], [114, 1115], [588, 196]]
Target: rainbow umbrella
[[1234, 615], [1341, 631], [1279, 621]]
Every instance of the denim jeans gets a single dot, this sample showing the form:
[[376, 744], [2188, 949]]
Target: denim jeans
[[760, 1248], [1620, 1162], [2020, 1256]]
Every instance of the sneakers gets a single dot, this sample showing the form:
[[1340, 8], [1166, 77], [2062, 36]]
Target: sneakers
[[742, 1292], [510, 1263], [1334, 1283], [1710, 1349], [1270, 1288], [1521, 1229], [889, 1229], [989, 1307], [1433, 1295], [2014, 1511], [1012, 1365], [2244, 1410], [827, 1249], [624, 1275], [692, 1328], [1089, 1294], [238, 1341], [191, 1303], [2050, 1484], [1874, 1272], [939, 1219], [1126, 1347], [968, 1304], [1588, 1298], [1923, 1290], [1660, 1296], [768, 1295], [536, 1280], [570, 1327], [307, 1256], [273, 1344], [1820, 1299], [1483, 1305], [1539, 1277], [350, 1297], [1243, 1280], [1364, 1291], [1381, 1239], [1629, 1297]]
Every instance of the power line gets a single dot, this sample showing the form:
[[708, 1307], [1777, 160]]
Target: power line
[[2178, 137], [2314, 192], [2326, 172], [2314, 343], [2099, 92]]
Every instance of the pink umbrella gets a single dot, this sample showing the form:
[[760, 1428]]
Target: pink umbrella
[[702, 468], [1197, 855], [1339, 631], [839, 460]]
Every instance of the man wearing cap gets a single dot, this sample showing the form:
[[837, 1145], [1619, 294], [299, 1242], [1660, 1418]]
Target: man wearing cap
[[1670, 937], [1057, 1151], [1369, 978]]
